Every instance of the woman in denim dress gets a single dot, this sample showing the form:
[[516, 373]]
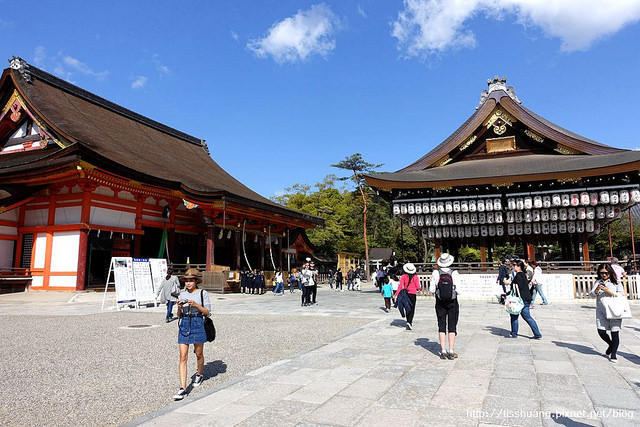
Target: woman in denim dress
[[193, 306]]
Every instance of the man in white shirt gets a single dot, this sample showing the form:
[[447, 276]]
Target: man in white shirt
[[620, 273]]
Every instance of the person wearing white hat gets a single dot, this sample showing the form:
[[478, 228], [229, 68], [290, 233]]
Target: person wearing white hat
[[443, 284], [406, 294]]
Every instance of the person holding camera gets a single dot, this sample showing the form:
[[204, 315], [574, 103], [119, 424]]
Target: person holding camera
[[193, 306]]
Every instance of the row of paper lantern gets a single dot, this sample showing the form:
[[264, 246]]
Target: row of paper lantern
[[584, 198], [536, 215], [512, 229], [574, 199]]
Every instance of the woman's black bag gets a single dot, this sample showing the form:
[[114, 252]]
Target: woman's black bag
[[209, 327]]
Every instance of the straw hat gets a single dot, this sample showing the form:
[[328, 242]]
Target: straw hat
[[192, 273], [445, 260], [409, 268]]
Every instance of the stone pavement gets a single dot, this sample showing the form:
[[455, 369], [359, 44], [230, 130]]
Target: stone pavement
[[382, 374]]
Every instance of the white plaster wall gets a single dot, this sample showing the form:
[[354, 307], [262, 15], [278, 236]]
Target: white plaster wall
[[8, 231], [105, 191], [11, 215], [36, 281], [40, 249], [36, 217], [113, 218], [68, 215], [62, 281], [64, 253], [6, 253]]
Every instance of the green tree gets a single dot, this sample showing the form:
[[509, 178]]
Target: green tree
[[358, 167]]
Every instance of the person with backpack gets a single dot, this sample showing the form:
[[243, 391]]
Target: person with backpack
[[443, 284], [407, 291]]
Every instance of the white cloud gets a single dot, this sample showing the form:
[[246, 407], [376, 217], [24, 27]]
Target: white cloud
[[426, 27], [39, 55], [139, 82], [296, 38], [361, 12], [160, 66], [83, 68], [234, 35]]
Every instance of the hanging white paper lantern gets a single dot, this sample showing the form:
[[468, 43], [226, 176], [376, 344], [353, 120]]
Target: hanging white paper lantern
[[474, 218], [492, 230], [584, 198], [545, 228], [589, 226], [440, 206], [453, 231], [458, 218], [499, 230], [461, 231], [571, 227], [411, 209], [465, 219], [582, 213], [563, 214], [467, 231], [425, 234], [445, 232], [431, 232], [535, 215], [527, 216], [420, 221], [527, 228], [553, 214], [556, 200], [396, 209], [520, 203], [566, 200], [413, 220], [601, 212], [425, 208], [475, 231], [464, 206], [480, 205], [510, 216], [451, 219], [427, 220], [610, 212], [519, 216], [456, 205], [448, 206], [635, 195], [438, 232], [546, 201], [580, 226], [433, 207], [490, 217], [537, 228], [443, 219], [591, 212], [497, 205], [573, 214], [484, 231], [435, 220], [418, 208], [544, 215], [482, 217], [575, 199], [403, 209], [528, 202], [488, 204], [553, 227], [593, 199], [519, 229], [498, 217], [604, 197], [624, 197], [614, 198], [472, 206], [511, 229], [537, 202], [562, 227], [511, 203]]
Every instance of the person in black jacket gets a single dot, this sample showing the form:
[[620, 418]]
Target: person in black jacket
[[520, 284], [502, 274]]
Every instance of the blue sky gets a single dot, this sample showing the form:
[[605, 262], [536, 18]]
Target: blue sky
[[281, 89]]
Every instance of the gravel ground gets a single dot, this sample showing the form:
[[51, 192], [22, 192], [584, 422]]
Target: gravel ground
[[92, 370]]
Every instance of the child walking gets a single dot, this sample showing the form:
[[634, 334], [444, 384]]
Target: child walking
[[387, 291]]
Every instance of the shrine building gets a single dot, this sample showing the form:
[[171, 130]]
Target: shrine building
[[508, 175], [83, 179]]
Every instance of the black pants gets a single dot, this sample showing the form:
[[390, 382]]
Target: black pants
[[314, 292], [447, 314], [306, 294], [412, 298]]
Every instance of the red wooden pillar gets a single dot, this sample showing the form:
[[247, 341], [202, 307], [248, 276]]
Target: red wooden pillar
[[211, 234], [483, 252], [87, 188], [531, 251], [137, 239], [585, 247], [437, 248]]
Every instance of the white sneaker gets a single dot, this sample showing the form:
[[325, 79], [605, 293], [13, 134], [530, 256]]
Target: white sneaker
[[197, 380], [180, 394]]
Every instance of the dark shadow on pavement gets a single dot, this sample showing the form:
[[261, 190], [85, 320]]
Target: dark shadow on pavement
[[631, 327], [501, 332], [399, 323], [577, 348], [212, 369], [565, 421], [431, 346], [592, 307], [630, 357]]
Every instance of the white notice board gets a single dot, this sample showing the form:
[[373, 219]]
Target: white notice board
[[123, 278], [158, 272], [143, 280]]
